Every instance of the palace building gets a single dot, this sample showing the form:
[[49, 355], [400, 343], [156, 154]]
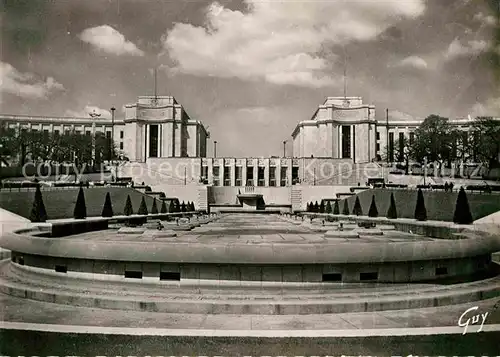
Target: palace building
[[157, 130]]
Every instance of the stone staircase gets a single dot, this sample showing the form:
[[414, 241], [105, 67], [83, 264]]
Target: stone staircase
[[202, 201], [296, 198]]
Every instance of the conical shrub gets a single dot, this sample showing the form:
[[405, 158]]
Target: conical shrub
[[392, 212], [171, 207], [128, 209], [322, 207], [328, 207], [163, 207], [345, 211], [420, 210], [107, 209], [336, 209], [357, 210], [154, 208], [193, 208], [143, 209], [462, 213], [308, 207], [373, 211], [316, 207], [80, 210], [38, 212], [183, 207]]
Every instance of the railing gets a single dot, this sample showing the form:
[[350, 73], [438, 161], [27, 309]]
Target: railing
[[249, 189]]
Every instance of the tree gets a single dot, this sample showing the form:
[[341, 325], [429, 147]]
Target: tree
[[485, 141], [107, 209], [392, 213], [336, 209], [357, 210], [328, 207], [322, 207], [420, 210], [143, 209], [154, 208], [345, 211], [373, 211], [80, 210], [163, 207], [128, 210], [183, 207], [38, 212], [434, 140], [193, 208], [308, 207], [171, 207], [462, 213], [316, 207]]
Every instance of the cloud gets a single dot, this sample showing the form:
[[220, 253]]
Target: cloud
[[413, 62], [473, 48], [26, 85], [281, 42], [107, 39], [84, 113], [488, 20], [490, 107]]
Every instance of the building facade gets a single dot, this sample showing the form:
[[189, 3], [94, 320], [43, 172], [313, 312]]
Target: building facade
[[158, 126], [341, 128], [392, 134]]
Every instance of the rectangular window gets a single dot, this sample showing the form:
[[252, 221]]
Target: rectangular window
[[272, 176], [238, 175], [167, 275], [378, 135], [45, 132], [108, 135], [368, 276], [283, 176], [133, 274], [332, 277], [61, 268], [412, 138], [56, 132], [295, 175], [215, 174], [153, 140], [250, 176], [261, 178], [378, 147], [204, 172], [121, 134], [401, 142], [87, 132], [121, 145], [391, 147], [346, 142], [227, 176]]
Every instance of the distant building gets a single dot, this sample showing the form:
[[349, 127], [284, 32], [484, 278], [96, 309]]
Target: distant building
[[341, 128]]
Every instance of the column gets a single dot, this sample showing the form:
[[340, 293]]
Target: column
[[232, 172], [255, 172], [352, 142], [278, 173], [147, 141], [339, 128], [289, 171], [221, 171], [267, 163], [244, 173], [210, 169]]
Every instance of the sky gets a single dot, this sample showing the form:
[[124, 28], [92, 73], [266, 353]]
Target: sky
[[250, 70]]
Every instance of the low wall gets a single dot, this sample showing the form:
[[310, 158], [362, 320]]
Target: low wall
[[440, 205]]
